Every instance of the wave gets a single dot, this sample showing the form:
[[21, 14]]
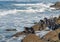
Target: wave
[[37, 4], [39, 7], [5, 12], [30, 8]]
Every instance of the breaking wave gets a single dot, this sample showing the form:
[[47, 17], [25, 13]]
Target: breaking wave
[[39, 7], [27, 8]]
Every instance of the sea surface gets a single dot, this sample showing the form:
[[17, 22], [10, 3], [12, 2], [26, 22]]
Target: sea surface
[[17, 15]]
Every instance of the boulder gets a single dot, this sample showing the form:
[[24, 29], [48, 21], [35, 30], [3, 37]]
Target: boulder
[[32, 38]]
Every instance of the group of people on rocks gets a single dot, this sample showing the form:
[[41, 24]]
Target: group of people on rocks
[[50, 23]]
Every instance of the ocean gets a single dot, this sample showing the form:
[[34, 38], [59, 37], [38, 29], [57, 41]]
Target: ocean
[[17, 15]]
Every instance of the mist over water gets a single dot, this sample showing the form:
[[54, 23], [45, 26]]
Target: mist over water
[[17, 15]]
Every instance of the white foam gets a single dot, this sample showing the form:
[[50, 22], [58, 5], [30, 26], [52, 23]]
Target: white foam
[[41, 33], [28, 11], [5, 12], [40, 7], [37, 4]]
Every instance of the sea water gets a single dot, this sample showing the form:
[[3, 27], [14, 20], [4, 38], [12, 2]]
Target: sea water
[[17, 15]]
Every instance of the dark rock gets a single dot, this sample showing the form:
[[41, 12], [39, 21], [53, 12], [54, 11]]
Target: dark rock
[[25, 32], [11, 30], [29, 30]]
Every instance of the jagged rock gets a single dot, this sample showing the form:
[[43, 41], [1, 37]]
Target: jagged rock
[[56, 5], [11, 30], [36, 27]]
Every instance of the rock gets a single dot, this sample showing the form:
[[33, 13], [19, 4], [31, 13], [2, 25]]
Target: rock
[[32, 38], [18, 34], [11, 30], [38, 27], [25, 32], [56, 5], [52, 35], [29, 30]]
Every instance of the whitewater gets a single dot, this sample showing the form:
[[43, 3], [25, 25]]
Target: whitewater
[[20, 15]]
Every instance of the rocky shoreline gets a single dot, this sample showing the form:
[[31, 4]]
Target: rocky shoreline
[[54, 25], [46, 30]]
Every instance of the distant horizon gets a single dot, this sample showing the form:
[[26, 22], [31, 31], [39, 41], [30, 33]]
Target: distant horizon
[[28, 0]]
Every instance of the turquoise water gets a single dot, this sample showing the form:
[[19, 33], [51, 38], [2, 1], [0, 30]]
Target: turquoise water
[[17, 15]]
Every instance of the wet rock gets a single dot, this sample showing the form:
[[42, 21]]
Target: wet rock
[[11, 30], [52, 35], [18, 34], [56, 5], [29, 30]]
